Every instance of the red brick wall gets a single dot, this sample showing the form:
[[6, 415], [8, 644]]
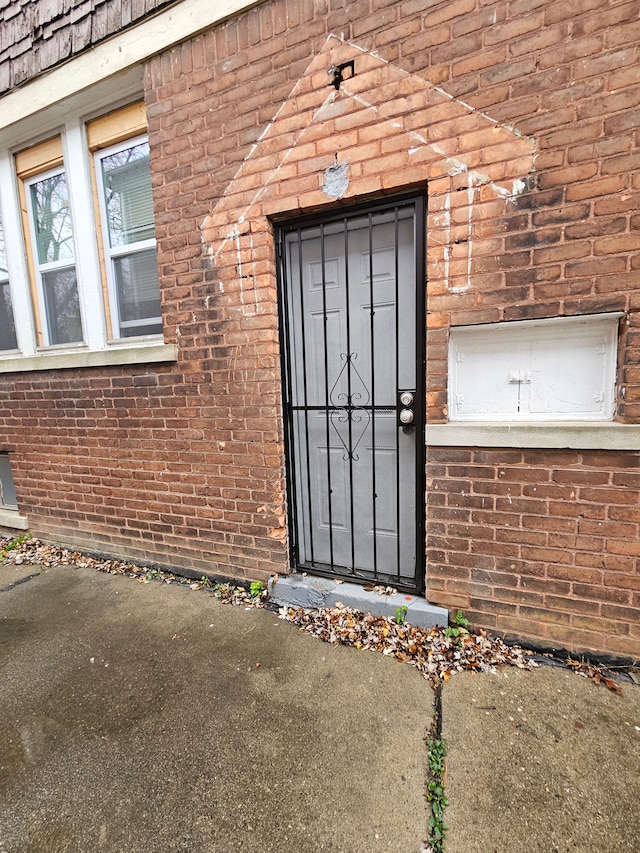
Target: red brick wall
[[204, 436], [567, 75], [132, 463], [539, 544]]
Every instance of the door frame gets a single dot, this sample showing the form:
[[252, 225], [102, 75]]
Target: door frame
[[282, 227]]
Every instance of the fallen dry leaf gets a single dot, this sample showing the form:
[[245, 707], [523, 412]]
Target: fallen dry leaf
[[429, 650], [594, 672], [32, 551]]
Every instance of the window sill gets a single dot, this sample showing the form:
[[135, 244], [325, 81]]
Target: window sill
[[575, 435], [115, 355], [12, 518]]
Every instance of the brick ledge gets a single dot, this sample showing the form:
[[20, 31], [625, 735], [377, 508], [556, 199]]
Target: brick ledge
[[12, 518], [140, 354], [567, 435]]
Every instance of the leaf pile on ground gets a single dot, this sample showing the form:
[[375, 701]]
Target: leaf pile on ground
[[436, 652], [31, 551]]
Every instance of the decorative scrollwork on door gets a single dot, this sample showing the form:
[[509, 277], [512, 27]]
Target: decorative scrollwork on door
[[350, 408]]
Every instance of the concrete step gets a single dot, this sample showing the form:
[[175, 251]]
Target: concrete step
[[300, 590]]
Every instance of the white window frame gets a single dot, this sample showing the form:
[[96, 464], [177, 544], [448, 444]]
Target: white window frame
[[40, 268], [68, 120], [111, 254], [5, 282]]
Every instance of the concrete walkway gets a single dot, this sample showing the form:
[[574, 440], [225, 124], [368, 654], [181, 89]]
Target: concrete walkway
[[137, 718], [540, 762], [151, 718]]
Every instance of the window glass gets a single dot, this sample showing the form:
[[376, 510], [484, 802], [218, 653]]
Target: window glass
[[60, 290], [54, 250], [7, 324], [7, 488], [129, 231], [138, 296], [52, 219], [127, 183]]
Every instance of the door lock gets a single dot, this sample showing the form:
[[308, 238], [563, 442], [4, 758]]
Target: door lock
[[406, 414]]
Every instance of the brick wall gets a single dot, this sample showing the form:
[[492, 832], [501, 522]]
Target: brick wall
[[566, 74], [528, 118], [132, 463], [537, 543]]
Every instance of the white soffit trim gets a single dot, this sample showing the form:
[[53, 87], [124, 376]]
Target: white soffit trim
[[116, 54]]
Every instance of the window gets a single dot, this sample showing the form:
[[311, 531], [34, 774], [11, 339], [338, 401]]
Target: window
[[77, 211], [126, 207], [7, 489], [53, 256], [7, 325], [51, 250], [9, 515], [534, 370]]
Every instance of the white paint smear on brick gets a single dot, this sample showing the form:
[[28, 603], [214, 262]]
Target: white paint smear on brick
[[456, 166]]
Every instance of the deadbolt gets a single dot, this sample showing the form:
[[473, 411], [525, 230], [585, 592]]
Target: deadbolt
[[406, 414]]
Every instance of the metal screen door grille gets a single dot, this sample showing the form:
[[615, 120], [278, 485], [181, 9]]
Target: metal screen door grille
[[352, 319]]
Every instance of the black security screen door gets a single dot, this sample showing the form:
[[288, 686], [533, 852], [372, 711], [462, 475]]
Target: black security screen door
[[352, 320]]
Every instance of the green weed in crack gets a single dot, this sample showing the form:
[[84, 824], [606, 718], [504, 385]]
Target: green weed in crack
[[436, 795], [13, 544], [460, 626], [153, 575]]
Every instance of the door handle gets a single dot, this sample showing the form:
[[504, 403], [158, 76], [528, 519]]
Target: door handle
[[406, 414]]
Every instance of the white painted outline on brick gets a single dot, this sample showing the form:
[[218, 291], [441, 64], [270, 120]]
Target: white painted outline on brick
[[447, 247], [445, 220], [510, 128], [470, 196], [457, 166], [234, 232]]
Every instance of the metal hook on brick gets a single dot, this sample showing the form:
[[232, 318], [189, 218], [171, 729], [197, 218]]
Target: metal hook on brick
[[336, 71]]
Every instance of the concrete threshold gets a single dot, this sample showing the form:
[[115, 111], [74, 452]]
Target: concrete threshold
[[301, 590]]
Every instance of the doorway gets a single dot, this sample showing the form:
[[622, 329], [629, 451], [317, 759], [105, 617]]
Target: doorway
[[352, 330]]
